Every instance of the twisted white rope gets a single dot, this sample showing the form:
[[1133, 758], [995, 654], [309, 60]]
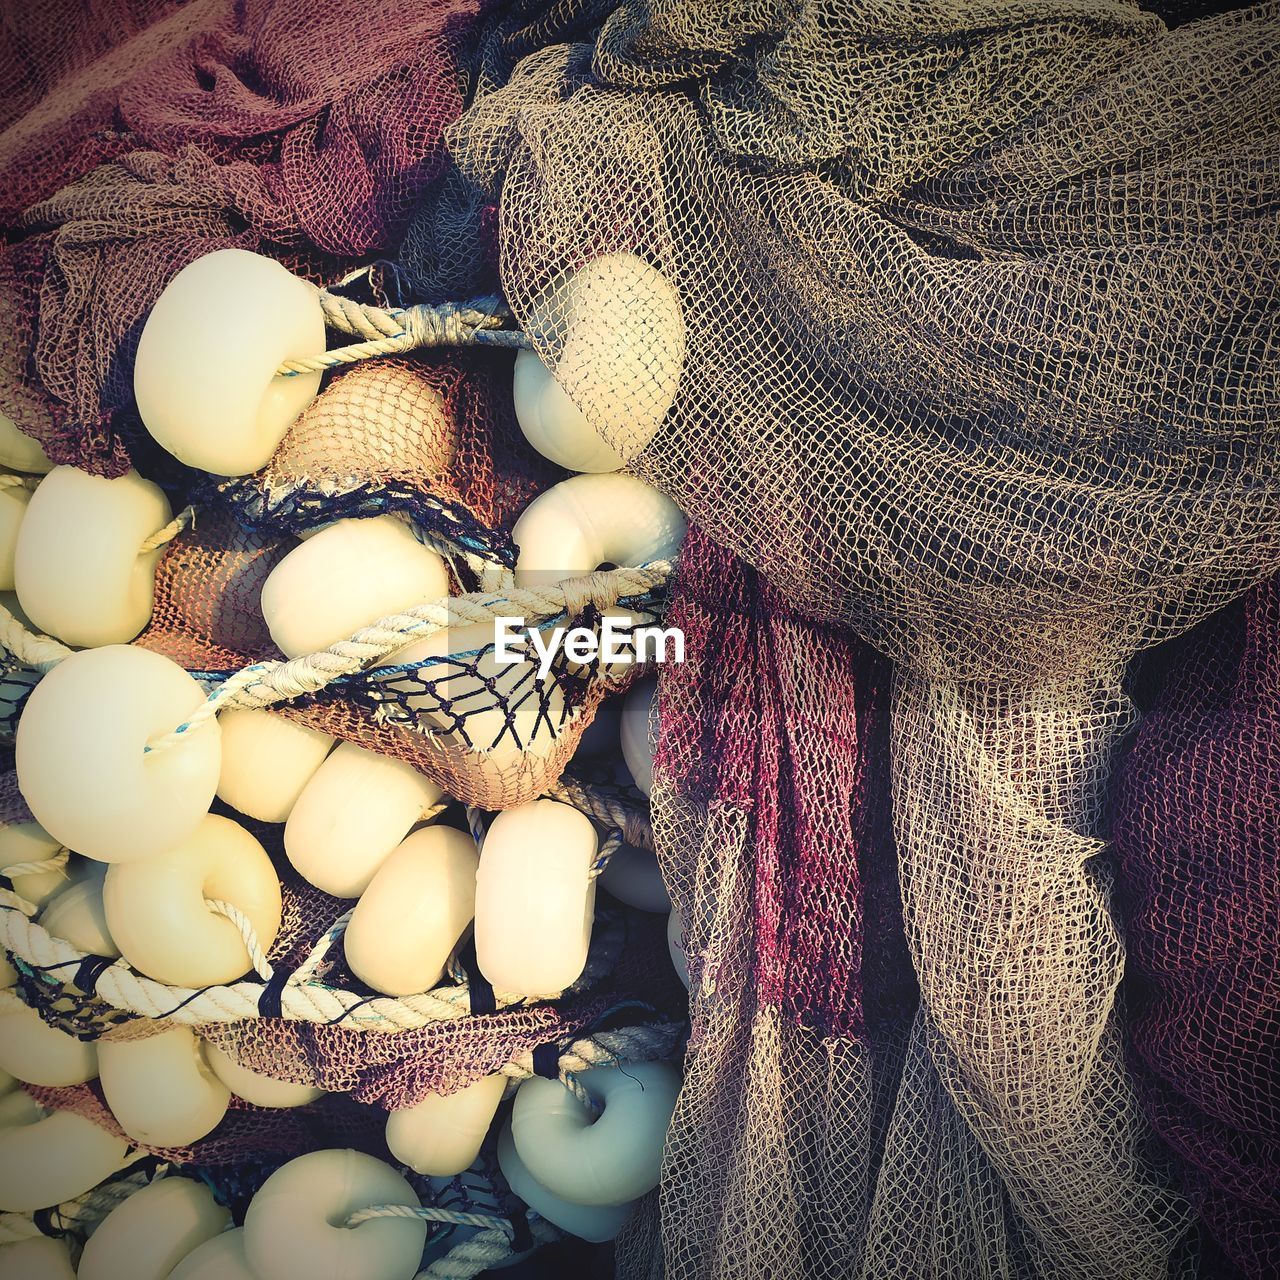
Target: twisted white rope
[[301, 998], [56, 862], [19, 482], [16, 1226], [257, 957], [34, 650], [161, 537], [394, 330], [264, 684]]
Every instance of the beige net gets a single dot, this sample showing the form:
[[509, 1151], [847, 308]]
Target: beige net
[[979, 309]]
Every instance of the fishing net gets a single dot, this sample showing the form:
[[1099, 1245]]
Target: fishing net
[[1196, 841], [958, 373]]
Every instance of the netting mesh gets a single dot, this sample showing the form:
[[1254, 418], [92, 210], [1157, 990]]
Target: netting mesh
[[1196, 841]]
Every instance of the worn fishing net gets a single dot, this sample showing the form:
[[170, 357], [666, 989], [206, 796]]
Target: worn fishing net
[[1196, 841], [979, 313]]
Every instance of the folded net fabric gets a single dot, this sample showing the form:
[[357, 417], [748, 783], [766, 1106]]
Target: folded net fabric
[[1197, 837], [980, 361]]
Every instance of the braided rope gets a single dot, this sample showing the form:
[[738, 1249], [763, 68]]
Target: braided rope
[[392, 331], [29, 647], [57, 862], [161, 537], [19, 482], [301, 999], [257, 957], [264, 684]]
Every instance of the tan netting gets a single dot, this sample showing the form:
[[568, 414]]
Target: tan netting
[[979, 360]]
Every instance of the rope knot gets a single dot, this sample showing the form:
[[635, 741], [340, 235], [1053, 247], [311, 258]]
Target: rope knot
[[599, 589]]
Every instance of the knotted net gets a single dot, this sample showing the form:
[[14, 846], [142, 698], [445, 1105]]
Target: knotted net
[[979, 310]]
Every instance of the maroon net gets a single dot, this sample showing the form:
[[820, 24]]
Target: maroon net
[[1197, 836]]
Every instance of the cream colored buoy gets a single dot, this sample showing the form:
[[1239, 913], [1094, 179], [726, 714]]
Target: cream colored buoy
[[633, 876], [345, 577], [77, 914], [47, 1158], [147, 1235], [254, 1087], [356, 809], [37, 1053], [639, 732], [535, 899], [205, 373], [160, 1088], [82, 763], [296, 1229], [610, 1159], [13, 508], [40, 1258], [19, 451], [418, 905], [676, 946], [618, 329], [158, 908], [80, 569], [222, 1258], [595, 1223], [29, 842], [267, 759], [442, 1134]]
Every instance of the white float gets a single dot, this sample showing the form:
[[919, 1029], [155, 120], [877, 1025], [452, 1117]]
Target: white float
[[356, 809], [619, 332], [205, 373], [222, 1258], [639, 732], [294, 1229], [147, 1235], [442, 1134], [78, 916], [40, 1258], [633, 876], [19, 452], [158, 908], [596, 1223], [79, 567], [13, 507], [160, 1088], [254, 1087], [36, 1053], [609, 1160], [80, 754], [586, 521], [345, 577], [30, 842], [48, 1158], [418, 905], [267, 759], [675, 946], [535, 899]]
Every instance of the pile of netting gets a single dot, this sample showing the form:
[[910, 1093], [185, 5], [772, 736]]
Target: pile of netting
[[977, 400]]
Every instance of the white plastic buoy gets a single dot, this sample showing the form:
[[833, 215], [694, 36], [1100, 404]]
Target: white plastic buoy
[[40, 1258], [418, 905], [612, 1159], [19, 451], [253, 1086], [633, 876], [205, 373], [586, 521], [267, 759], [80, 569], [160, 1089], [78, 916], [356, 809], [442, 1134], [36, 1053], [675, 946], [147, 1235], [47, 1158], [295, 1227], [595, 1223], [222, 1258], [345, 577], [158, 908], [619, 332], [639, 732], [81, 760], [29, 842], [13, 508], [535, 899]]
